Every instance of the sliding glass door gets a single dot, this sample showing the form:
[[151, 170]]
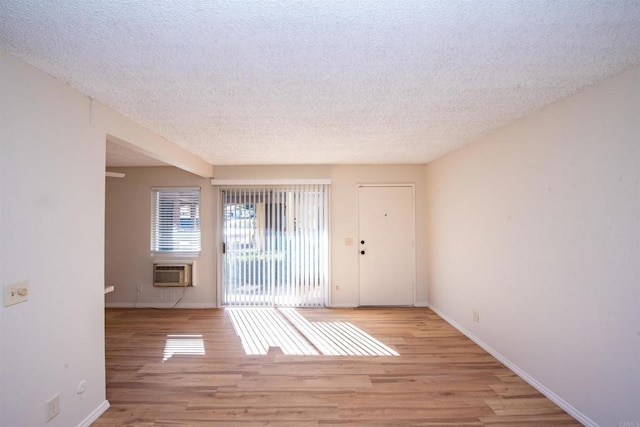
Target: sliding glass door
[[275, 242]]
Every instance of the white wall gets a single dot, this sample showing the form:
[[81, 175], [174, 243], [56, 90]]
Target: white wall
[[344, 215], [344, 223], [128, 258], [127, 228], [52, 228], [537, 227]]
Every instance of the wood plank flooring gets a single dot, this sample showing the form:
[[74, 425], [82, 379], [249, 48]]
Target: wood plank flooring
[[158, 376]]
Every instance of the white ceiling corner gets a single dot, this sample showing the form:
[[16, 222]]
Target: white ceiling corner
[[293, 82]]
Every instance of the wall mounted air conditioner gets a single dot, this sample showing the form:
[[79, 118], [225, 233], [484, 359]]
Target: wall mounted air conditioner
[[173, 274]]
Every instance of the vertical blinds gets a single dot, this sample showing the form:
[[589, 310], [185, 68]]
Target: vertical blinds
[[175, 220], [276, 245]]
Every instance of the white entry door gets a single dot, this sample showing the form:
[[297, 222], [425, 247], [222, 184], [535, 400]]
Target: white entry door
[[386, 245]]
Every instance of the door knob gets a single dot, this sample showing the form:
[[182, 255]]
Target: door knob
[[362, 242], [361, 252]]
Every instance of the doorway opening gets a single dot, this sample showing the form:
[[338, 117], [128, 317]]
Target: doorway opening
[[275, 245]]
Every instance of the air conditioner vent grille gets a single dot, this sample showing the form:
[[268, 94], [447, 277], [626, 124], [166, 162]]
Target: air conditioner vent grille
[[177, 275]]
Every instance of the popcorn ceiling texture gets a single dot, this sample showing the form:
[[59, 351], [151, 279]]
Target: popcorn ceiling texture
[[119, 156], [322, 82]]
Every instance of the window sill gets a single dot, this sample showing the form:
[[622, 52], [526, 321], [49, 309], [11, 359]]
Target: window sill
[[181, 255]]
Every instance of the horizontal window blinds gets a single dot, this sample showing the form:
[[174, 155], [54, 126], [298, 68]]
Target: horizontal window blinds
[[276, 245], [175, 220]]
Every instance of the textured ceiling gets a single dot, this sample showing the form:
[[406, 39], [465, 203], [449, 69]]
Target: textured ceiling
[[120, 156], [301, 82]]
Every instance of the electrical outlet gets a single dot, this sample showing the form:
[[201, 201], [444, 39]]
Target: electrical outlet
[[476, 316], [53, 407], [337, 287], [139, 289], [16, 293]]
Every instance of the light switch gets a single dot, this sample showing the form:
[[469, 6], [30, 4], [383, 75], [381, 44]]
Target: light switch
[[15, 293]]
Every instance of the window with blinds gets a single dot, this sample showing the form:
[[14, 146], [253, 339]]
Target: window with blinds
[[175, 220], [275, 245]]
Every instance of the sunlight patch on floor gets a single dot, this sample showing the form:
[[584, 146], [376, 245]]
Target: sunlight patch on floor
[[182, 344], [262, 328]]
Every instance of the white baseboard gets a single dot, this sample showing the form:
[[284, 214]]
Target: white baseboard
[[119, 305], [582, 418], [341, 305], [349, 305], [158, 305], [95, 414]]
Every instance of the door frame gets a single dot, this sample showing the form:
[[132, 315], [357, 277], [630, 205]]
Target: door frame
[[221, 184], [413, 231]]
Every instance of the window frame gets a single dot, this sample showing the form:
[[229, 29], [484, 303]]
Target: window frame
[[174, 217]]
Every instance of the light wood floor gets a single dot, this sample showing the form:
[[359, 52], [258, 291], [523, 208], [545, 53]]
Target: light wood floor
[[440, 377]]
